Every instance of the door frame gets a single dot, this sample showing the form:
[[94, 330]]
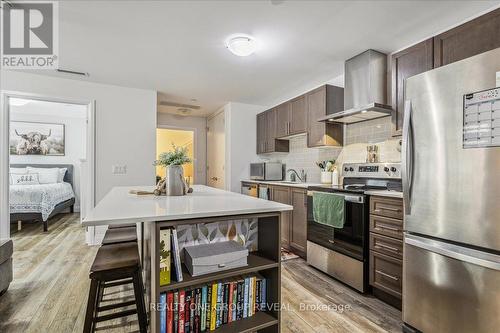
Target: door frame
[[195, 145], [226, 172], [5, 155]]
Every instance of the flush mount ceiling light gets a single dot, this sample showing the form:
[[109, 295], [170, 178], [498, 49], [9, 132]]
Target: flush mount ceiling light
[[241, 45]]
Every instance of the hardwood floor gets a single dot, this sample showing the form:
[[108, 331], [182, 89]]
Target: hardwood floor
[[49, 291], [317, 303]]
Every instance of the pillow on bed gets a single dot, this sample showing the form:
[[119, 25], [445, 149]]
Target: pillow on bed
[[62, 173], [45, 175], [24, 179], [18, 170]]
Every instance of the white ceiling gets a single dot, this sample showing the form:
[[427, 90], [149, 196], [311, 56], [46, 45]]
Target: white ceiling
[[50, 109], [177, 47]]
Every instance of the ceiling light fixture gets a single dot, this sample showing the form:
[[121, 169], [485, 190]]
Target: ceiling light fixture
[[241, 45]]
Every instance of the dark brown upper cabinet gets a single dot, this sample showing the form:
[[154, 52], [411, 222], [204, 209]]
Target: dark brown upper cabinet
[[406, 63], [266, 134], [261, 132], [298, 115], [321, 101], [282, 119], [291, 117], [474, 37]]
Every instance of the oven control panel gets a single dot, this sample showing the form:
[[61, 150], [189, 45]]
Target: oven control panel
[[372, 170]]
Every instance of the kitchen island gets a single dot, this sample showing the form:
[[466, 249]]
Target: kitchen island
[[206, 206]]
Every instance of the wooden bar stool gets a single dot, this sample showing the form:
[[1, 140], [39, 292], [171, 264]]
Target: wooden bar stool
[[115, 262], [120, 235], [118, 226]]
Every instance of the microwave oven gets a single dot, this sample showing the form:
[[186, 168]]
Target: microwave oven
[[266, 171]]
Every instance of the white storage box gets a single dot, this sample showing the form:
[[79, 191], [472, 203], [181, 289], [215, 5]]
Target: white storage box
[[215, 257]]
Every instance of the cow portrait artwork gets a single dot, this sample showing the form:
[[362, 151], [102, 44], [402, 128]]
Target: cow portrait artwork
[[32, 143], [28, 138]]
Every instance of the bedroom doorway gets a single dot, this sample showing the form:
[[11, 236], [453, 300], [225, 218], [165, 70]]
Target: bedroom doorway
[[49, 169], [166, 139]]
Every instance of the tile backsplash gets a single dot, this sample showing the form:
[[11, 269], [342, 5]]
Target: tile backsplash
[[356, 138]]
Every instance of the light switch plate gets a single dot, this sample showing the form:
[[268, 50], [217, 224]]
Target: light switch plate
[[119, 169]]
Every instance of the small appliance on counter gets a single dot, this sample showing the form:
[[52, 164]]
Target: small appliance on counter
[[343, 252], [266, 171]]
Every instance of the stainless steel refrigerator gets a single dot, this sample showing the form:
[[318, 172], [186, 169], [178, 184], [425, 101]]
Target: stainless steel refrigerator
[[451, 188]]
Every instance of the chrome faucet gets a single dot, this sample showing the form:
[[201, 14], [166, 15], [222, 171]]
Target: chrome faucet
[[295, 174]]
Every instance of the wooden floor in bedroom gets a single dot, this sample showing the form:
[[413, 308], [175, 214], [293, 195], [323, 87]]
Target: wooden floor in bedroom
[[49, 291]]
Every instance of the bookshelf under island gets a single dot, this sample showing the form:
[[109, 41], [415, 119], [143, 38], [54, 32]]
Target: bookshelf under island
[[204, 207]]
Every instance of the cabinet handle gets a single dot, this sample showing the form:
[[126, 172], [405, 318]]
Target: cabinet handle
[[388, 228], [395, 278], [398, 210], [387, 247]]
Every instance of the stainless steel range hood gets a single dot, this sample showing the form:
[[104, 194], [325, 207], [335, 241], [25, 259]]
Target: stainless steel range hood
[[365, 91]]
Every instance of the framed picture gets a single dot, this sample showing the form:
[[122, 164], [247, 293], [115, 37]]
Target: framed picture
[[29, 138]]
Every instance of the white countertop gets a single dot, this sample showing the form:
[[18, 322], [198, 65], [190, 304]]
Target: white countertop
[[382, 193], [282, 183], [119, 206]]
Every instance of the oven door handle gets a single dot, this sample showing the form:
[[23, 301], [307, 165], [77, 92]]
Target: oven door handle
[[347, 197]]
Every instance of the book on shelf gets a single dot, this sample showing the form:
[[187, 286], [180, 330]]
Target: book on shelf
[[170, 312], [176, 311], [204, 303], [206, 307], [176, 256], [245, 297], [191, 310], [163, 313], [220, 296], [213, 307], [182, 310], [165, 251], [239, 304]]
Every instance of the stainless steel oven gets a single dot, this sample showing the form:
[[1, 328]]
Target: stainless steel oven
[[349, 240], [342, 253]]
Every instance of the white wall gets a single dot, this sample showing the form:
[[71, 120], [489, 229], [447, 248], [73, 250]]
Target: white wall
[[125, 124], [241, 146], [74, 118], [199, 125]]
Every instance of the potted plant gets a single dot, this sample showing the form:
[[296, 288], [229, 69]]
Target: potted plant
[[173, 161]]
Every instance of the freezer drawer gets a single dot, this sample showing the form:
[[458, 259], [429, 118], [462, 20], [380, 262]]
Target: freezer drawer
[[447, 288]]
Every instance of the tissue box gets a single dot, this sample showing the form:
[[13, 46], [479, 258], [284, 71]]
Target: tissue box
[[215, 257]]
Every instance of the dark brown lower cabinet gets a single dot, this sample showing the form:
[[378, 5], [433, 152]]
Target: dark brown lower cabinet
[[298, 225], [294, 223], [386, 249], [281, 194]]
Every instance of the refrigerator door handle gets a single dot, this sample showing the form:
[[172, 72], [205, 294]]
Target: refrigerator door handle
[[461, 253], [407, 154]]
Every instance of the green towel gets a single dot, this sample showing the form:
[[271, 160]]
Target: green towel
[[328, 209]]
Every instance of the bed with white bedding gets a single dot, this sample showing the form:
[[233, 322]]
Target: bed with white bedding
[[43, 198]]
